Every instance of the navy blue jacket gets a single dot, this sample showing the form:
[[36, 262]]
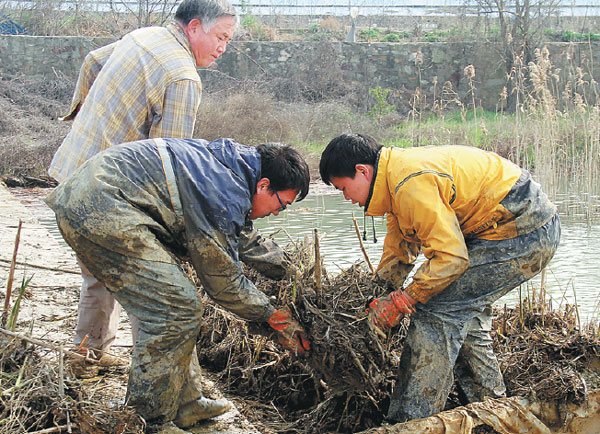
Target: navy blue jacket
[[120, 190]]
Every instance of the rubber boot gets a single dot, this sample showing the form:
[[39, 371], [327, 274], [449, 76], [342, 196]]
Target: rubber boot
[[201, 409]]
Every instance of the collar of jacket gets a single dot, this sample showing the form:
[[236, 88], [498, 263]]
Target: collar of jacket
[[177, 31], [380, 200]]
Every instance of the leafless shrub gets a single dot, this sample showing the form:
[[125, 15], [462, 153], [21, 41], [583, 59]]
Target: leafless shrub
[[253, 117], [316, 79], [80, 17], [29, 130], [332, 25]]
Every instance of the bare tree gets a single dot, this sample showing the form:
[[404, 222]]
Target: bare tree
[[146, 12], [521, 25]]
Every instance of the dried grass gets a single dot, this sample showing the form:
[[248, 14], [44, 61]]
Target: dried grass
[[38, 394], [344, 382], [544, 354], [342, 386], [254, 116]]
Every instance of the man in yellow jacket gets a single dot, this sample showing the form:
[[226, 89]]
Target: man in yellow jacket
[[484, 227]]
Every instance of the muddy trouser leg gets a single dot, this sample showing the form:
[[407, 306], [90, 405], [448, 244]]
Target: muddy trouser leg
[[164, 301], [477, 370], [192, 387], [458, 316], [98, 313]]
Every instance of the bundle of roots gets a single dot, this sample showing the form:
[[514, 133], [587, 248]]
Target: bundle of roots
[[344, 382]]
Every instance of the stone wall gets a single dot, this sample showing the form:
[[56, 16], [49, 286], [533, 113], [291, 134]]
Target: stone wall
[[318, 70], [45, 56]]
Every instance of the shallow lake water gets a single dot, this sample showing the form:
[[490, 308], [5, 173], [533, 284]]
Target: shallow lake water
[[573, 275]]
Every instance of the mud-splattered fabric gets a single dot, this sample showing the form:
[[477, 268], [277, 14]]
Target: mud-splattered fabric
[[449, 334], [262, 254], [116, 212], [436, 197]]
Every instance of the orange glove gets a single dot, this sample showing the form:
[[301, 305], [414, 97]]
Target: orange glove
[[387, 311], [291, 334]]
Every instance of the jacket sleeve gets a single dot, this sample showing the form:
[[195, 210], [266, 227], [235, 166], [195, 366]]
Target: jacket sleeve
[[224, 281], [177, 115], [424, 212], [262, 254], [92, 64], [398, 256]]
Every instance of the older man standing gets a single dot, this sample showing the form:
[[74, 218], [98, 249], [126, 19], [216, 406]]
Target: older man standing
[[143, 86]]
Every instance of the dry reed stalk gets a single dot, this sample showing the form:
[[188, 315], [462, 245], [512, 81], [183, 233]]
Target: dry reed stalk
[[56, 429], [54, 347], [469, 72], [41, 267], [362, 246], [39, 395], [318, 264], [11, 274]]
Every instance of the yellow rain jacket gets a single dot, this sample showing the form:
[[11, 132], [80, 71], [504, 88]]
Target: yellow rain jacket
[[436, 197]]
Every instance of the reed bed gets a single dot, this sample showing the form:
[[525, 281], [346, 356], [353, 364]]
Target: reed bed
[[547, 120]]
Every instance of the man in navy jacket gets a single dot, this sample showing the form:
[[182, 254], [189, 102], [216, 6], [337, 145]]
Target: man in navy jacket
[[133, 210]]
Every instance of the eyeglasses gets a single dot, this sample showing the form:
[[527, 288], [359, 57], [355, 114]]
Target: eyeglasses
[[283, 205]]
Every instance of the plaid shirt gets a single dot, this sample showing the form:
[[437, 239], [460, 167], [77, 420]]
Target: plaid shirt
[[143, 86]]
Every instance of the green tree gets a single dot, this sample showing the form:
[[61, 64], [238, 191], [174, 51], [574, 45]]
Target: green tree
[[381, 106]]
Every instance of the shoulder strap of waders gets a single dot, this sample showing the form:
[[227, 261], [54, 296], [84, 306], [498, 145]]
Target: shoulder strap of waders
[[170, 177]]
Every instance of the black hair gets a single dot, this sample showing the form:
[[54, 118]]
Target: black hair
[[207, 11], [343, 153], [285, 168]]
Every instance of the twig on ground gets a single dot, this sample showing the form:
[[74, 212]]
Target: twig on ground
[[54, 347], [42, 267], [318, 282], [362, 246], [59, 428]]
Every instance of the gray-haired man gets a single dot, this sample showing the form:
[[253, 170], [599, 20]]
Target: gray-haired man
[[145, 85]]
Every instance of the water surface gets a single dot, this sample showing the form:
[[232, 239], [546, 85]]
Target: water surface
[[572, 276]]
